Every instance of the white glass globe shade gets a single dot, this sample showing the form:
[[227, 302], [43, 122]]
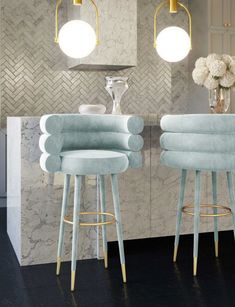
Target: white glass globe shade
[[173, 44], [77, 39]]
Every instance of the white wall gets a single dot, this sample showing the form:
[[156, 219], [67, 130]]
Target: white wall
[[198, 96]]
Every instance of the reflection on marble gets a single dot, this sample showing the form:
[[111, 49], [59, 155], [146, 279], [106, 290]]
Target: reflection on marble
[[148, 199]]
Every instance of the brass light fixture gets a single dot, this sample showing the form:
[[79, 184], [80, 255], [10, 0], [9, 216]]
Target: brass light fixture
[[76, 38], [172, 43]]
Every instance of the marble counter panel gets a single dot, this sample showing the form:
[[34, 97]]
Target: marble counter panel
[[148, 198]]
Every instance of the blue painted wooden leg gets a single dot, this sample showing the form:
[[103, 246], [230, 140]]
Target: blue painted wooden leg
[[231, 195], [196, 220], [116, 202], [76, 212], [103, 209], [179, 212], [214, 196], [63, 213]]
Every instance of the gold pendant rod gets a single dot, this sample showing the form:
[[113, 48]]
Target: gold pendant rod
[[173, 6], [58, 4], [77, 2], [159, 7], [97, 22], [190, 22]]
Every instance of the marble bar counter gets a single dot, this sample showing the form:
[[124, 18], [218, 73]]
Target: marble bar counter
[[148, 197]]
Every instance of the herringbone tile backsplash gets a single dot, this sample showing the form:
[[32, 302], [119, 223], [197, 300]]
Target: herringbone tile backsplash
[[35, 80]]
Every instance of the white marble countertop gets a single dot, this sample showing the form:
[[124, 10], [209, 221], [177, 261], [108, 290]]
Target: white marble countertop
[[152, 119]]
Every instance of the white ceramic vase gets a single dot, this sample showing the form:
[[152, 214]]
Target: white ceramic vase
[[92, 109]]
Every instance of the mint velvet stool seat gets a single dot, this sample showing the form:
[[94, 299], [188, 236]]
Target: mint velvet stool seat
[[200, 142], [79, 145]]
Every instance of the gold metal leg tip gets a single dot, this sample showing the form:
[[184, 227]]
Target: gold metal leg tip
[[105, 259], [73, 280], [58, 266], [195, 266], [216, 249], [175, 253], [124, 273]]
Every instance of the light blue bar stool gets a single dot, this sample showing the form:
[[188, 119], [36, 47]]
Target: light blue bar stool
[[79, 145], [200, 142]]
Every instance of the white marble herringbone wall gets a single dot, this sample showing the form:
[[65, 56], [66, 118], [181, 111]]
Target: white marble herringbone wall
[[34, 78]]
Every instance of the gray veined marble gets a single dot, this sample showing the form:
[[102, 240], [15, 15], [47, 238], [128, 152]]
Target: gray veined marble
[[35, 79]]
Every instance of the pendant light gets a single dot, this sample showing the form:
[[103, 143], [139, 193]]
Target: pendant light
[[172, 43], [77, 39]]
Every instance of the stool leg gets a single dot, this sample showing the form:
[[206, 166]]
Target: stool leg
[[231, 196], [63, 213], [179, 212], [103, 209], [196, 220], [116, 202], [76, 212], [214, 196]]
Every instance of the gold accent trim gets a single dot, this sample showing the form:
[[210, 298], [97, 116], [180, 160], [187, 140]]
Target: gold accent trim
[[77, 2], [105, 259], [97, 22], [124, 272], [69, 220], [227, 212], [158, 8], [175, 253], [173, 9], [216, 249], [190, 22], [58, 266], [73, 273], [58, 4], [173, 6], [194, 266]]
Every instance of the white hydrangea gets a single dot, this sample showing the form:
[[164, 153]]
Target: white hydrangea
[[227, 80], [211, 58], [215, 71], [232, 67], [217, 68], [211, 83], [200, 74], [227, 59], [201, 62]]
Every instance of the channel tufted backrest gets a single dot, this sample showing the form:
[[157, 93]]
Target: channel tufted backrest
[[76, 131], [198, 141]]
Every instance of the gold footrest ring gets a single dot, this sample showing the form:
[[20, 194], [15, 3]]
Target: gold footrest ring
[[69, 219], [227, 210]]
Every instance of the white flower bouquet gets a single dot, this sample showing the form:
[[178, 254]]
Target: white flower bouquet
[[215, 71]]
